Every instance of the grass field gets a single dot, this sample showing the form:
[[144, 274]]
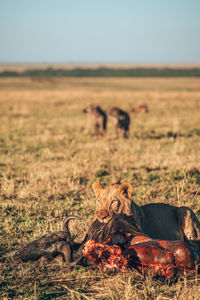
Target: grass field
[[49, 159]]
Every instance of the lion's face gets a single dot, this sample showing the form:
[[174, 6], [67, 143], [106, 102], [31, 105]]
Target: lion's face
[[112, 200]]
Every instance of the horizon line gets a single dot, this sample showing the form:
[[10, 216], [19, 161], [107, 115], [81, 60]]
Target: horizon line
[[97, 62]]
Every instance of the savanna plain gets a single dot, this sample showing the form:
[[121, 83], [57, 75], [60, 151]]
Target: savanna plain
[[49, 159]]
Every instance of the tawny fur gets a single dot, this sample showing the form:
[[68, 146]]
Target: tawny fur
[[157, 220]]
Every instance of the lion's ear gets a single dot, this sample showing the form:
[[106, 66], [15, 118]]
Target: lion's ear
[[97, 188], [125, 189]]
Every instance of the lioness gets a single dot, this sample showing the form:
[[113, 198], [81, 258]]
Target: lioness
[[157, 220], [99, 118]]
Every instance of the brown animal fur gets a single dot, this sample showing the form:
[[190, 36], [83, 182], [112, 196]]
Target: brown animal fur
[[53, 246], [142, 108], [99, 119], [157, 220], [122, 120]]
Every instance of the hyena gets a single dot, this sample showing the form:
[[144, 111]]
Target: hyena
[[142, 108], [122, 120], [99, 118]]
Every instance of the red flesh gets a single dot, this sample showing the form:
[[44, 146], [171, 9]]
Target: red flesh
[[163, 258]]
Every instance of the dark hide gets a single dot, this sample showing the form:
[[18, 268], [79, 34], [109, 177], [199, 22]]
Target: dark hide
[[54, 245]]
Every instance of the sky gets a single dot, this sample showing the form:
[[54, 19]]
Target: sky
[[99, 31]]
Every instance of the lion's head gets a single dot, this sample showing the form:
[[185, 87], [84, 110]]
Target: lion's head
[[112, 200]]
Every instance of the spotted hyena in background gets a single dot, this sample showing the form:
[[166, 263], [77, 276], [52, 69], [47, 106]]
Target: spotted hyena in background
[[142, 108], [99, 119], [122, 120]]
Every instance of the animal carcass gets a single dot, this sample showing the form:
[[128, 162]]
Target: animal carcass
[[122, 246]]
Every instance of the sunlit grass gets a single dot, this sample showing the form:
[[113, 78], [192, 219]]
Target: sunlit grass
[[50, 158]]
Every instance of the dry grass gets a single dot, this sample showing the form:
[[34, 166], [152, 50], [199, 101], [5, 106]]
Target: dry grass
[[49, 160]]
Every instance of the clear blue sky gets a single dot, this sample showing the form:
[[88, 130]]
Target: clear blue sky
[[137, 31]]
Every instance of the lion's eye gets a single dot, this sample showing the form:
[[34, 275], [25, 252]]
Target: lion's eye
[[114, 202]]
